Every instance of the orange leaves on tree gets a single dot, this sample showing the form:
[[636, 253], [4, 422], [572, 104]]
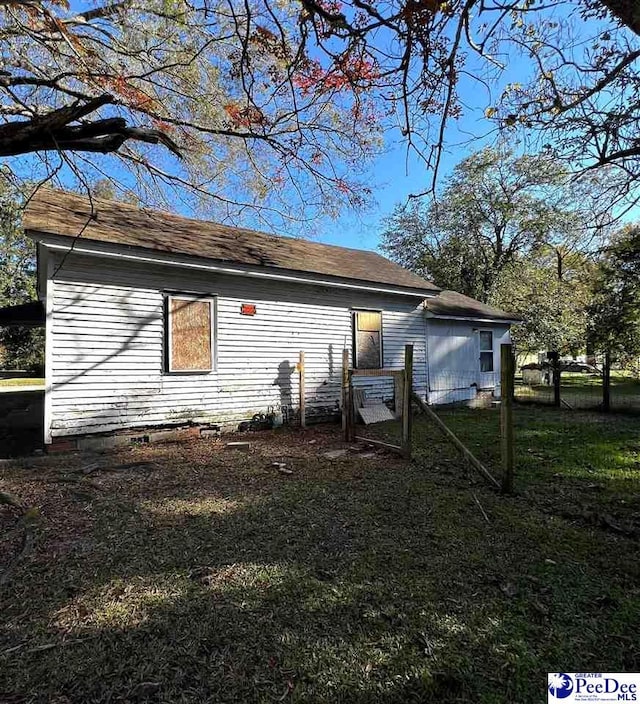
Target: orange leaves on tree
[[348, 72], [265, 33], [134, 97], [41, 19], [163, 126], [367, 114], [270, 43], [278, 179], [333, 7], [245, 117], [354, 196]]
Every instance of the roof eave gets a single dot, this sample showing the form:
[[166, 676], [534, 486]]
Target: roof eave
[[132, 253], [472, 318]]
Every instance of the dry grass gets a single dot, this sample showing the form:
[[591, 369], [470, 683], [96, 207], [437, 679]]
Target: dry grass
[[193, 573]]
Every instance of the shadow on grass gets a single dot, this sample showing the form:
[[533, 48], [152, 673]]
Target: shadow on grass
[[213, 578]]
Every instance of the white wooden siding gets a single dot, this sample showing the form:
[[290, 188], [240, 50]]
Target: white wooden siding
[[454, 359], [107, 346]]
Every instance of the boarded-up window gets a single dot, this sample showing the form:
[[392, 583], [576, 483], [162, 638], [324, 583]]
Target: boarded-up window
[[486, 351], [189, 326], [368, 339]]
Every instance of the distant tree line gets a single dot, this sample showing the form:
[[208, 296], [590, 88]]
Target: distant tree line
[[520, 233], [20, 347]]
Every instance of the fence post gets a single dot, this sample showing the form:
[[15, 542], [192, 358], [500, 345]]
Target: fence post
[[606, 382], [407, 389], [398, 388], [507, 373], [351, 408], [303, 404], [345, 393]]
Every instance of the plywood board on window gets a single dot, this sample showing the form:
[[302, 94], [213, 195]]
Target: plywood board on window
[[368, 339], [190, 335], [368, 348]]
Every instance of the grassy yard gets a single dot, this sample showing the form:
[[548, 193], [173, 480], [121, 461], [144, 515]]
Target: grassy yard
[[574, 463], [585, 391], [196, 573], [4, 383]]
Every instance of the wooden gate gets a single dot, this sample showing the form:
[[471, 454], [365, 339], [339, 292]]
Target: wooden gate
[[403, 387]]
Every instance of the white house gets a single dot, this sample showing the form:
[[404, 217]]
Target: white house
[[463, 347], [158, 320]]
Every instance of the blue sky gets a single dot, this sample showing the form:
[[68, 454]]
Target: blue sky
[[393, 177], [395, 174]]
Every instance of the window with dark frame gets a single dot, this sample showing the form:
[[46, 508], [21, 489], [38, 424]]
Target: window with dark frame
[[367, 339], [486, 351], [189, 322]]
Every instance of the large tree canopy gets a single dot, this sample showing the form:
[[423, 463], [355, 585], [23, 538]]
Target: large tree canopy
[[245, 101], [515, 232], [223, 98], [495, 209], [20, 348], [551, 301], [614, 311]]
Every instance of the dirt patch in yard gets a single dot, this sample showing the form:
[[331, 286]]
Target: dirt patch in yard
[[195, 572]]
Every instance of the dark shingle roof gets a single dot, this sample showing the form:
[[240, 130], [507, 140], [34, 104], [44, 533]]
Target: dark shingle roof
[[30, 314], [451, 304], [65, 214]]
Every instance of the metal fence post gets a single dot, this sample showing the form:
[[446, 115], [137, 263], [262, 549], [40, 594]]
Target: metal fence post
[[407, 389], [507, 376], [345, 393], [606, 382], [555, 365]]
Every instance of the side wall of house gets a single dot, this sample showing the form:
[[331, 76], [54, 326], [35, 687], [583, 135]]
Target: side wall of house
[[454, 359], [106, 332]]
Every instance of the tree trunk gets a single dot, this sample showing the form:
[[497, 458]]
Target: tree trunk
[[559, 265]]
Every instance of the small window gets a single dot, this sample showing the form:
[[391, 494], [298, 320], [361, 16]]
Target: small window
[[486, 351], [367, 339], [189, 334]]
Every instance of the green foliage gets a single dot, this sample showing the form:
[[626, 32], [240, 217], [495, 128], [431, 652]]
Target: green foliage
[[17, 252], [275, 106], [412, 238], [551, 301], [615, 309], [496, 209], [218, 105], [20, 348], [515, 232]]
